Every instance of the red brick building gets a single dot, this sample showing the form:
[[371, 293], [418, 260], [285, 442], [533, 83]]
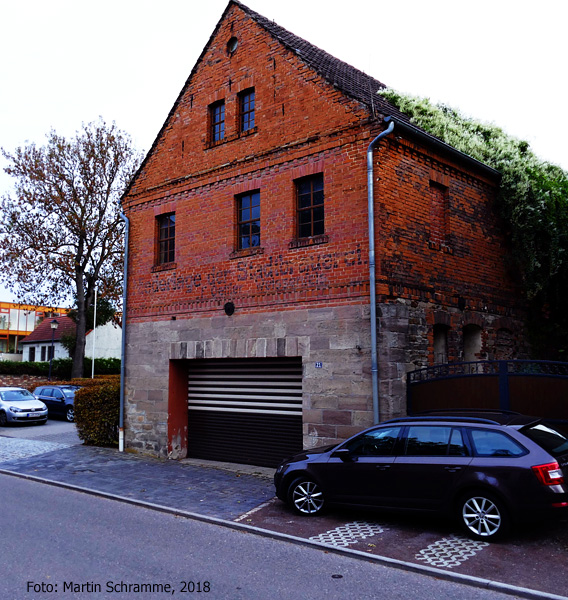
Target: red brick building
[[249, 281]]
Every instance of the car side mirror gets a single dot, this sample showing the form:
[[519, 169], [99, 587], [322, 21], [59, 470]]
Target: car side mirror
[[344, 454]]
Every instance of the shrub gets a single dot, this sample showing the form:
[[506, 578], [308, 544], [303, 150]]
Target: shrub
[[60, 368], [97, 411]]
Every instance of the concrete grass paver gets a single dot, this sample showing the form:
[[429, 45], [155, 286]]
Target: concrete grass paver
[[533, 557]]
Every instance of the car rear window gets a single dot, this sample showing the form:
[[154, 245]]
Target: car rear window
[[547, 437], [487, 442]]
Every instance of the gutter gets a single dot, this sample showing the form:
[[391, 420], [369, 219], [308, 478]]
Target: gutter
[[372, 283], [442, 147], [123, 342]]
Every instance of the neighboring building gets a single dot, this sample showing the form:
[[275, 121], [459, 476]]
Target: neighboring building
[[106, 339], [19, 320], [37, 346], [248, 309], [44, 343]]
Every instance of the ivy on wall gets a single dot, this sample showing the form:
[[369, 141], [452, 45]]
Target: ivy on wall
[[533, 201]]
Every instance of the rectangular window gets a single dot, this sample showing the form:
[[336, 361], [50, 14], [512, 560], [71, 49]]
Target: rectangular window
[[166, 239], [217, 115], [248, 207], [32, 354], [246, 108], [43, 349], [309, 193]]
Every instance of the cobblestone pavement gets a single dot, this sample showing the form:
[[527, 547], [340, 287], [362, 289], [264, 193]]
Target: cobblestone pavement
[[209, 491]]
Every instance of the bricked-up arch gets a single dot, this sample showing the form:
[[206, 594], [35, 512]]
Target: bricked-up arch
[[472, 342]]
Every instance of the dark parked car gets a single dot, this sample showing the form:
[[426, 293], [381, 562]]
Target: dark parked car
[[59, 399], [487, 469]]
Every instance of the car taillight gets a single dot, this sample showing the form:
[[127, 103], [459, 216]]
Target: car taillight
[[549, 474]]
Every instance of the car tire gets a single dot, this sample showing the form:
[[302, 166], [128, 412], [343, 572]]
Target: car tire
[[3, 419], [306, 497], [70, 414], [483, 516]]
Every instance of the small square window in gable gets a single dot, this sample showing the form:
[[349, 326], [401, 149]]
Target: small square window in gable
[[217, 121], [247, 112]]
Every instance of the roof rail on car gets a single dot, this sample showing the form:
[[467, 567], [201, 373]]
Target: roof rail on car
[[444, 418], [497, 411]]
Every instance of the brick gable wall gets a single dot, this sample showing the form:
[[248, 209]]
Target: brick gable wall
[[300, 298]]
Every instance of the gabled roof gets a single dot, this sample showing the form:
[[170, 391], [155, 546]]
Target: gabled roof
[[351, 81], [42, 333]]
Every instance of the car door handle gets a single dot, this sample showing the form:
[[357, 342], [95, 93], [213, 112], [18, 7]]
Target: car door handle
[[453, 469], [383, 467]]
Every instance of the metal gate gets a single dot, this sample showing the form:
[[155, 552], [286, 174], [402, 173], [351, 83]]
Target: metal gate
[[245, 410]]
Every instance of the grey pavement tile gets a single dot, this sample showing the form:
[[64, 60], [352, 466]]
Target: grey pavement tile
[[204, 490]]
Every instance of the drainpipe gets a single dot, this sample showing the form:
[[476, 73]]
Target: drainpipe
[[370, 200], [123, 342]]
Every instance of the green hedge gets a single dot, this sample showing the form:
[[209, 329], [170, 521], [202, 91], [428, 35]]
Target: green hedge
[[97, 412], [61, 367]]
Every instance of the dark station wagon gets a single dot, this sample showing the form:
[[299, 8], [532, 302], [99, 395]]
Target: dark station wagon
[[488, 469]]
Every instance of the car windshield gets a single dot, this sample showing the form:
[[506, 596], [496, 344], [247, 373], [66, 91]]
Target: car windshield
[[17, 396], [548, 437]]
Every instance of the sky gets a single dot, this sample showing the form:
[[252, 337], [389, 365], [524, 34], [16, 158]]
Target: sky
[[68, 62]]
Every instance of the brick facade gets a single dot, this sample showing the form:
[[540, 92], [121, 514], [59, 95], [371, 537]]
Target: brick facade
[[439, 246]]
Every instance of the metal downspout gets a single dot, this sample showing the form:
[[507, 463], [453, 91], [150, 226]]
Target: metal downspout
[[123, 342], [373, 300]]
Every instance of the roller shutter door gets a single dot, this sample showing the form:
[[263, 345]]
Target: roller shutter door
[[246, 411]]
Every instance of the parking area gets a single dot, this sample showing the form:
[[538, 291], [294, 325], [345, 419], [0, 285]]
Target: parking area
[[534, 557]]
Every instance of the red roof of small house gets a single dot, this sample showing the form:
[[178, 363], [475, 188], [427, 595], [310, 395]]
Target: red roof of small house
[[42, 333]]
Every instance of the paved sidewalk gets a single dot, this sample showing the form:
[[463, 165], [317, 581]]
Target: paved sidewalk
[[207, 490], [535, 559]]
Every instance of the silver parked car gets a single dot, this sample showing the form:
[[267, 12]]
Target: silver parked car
[[17, 405]]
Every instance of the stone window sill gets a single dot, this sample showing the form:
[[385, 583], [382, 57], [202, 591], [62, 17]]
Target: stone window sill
[[247, 252], [307, 242], [164, 267], [231, 138]]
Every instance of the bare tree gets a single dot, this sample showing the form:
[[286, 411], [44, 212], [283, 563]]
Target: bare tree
[[61, 234]]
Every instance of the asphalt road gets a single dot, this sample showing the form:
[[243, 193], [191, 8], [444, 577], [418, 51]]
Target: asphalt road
[[59, 543]]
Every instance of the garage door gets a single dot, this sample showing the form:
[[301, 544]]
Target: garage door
[[245, 410]]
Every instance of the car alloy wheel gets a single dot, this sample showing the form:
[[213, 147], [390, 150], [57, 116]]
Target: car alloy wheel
[[70, 414], [483, 516], [306, 497]]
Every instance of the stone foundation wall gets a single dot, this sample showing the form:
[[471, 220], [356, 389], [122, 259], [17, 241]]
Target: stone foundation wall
[[336, 395]]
